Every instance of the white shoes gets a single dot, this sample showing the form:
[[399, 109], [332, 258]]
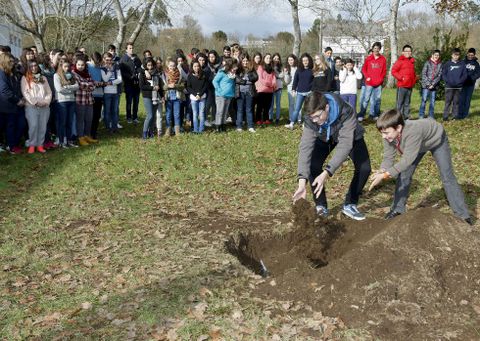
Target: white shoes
[[251, 130], [289, 126]]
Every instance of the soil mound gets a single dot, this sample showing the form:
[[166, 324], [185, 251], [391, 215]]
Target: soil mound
[[416, 277]]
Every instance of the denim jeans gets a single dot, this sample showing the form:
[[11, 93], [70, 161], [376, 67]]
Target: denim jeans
[[65, 116], [350, 99], [363, 109], [465, 99], [375, 95], [151, 110], [298, 105], [245, 107], [159, 117], [198, 111], [427, 94], [132, 94], [172, 110], [276, 99], [110, 114], [291, 104]]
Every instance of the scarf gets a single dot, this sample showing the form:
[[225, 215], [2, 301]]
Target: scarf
[[333, 114], [84, 74], [173, 76]]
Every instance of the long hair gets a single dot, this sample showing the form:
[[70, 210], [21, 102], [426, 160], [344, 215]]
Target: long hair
[[267, 67], [249, 67], [96, 58], [61, 74], [29, 74], [200, 71], [322, 66], [277, 66], [310, 61], [23, 57], [295, 62], [255, 65], [5, 65]]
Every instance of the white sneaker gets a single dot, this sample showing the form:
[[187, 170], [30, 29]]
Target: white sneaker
[[360, 119], [228, 120], [251, 130], [119, 126], [208, 124], [289, 126], [239, 130], [2, 150]]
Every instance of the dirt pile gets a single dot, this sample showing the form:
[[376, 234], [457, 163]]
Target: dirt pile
[[415, 277]]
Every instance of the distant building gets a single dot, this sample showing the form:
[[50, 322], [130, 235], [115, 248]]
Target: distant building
[[11, 36], [349, 47]]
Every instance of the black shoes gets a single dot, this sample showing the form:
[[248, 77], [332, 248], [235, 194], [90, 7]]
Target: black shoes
[[392, 214], [469, 221]]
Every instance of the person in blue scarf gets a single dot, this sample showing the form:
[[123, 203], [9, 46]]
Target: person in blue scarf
[[331, 124]]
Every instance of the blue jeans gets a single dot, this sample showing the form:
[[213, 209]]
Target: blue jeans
[[151, 110], [427, 94], [172, 109], [298, 105], [132, 94], [198, 113], [110, 111], [245, 107], [65, 115], [276, 99], [465, 99], [291, 104], [375, 94]]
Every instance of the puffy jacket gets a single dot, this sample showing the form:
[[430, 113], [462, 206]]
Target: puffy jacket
[[9, 94], [404, 72], [454, 74], [473, 71], [375, 69], [431, 74], [224, 85], [267, 82], [246, 78]]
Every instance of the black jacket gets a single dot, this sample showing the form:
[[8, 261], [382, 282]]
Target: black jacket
[[251, 76], [147, 88], [130, 68], [323, 81], [197, 86]]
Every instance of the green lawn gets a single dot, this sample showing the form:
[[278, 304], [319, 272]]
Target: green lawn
[[101, 242]]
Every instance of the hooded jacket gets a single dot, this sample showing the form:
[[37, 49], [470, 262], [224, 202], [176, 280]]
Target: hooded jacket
[[224, 85], [341, 128], [454, 74], [431, 74], [375, 69], [404, 72], [473, 71]]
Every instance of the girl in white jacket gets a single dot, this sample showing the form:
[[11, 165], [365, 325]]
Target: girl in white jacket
[[348, 83]]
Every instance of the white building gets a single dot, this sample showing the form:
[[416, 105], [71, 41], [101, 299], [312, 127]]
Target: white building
[[349, 47], [11, 36]]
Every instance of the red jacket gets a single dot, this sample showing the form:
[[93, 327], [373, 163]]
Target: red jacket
[[404, 72], [375, 69]]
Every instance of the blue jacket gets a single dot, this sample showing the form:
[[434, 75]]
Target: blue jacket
[[9, 94], [473, 71], [224, 86], [454, 74], [302, 81]]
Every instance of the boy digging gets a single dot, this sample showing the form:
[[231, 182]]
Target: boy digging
[[412, 140]]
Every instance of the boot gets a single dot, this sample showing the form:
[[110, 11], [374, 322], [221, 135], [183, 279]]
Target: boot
[[177, 130], [168, 132], [90, 139], [145, 135], [82, 141], [223, 128], [218, 129]]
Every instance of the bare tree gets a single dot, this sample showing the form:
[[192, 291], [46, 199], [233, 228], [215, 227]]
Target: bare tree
[[392, 33]]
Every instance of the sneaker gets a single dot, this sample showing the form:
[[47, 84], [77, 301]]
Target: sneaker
[[228, 120], [31, 150], [208, 124], [259, 123], [40, 149], [375, 118], [135, 121], [360, 119], [2, 150], [239, 130], [352, 212], [129, 121], [64, 145], [289, 126], [119, 126], [72, 144], [391, 215], [16, 150], [469, 221], [268, 122], [251, 130], [322, 211]]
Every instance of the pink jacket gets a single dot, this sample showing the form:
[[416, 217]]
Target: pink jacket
[[36, 93], [267, 82]]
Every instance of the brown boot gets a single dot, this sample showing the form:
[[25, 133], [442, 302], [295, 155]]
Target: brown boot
[[168, 133], [177, 130]]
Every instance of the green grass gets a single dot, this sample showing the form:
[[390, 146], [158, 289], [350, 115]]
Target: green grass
[[91, 225]]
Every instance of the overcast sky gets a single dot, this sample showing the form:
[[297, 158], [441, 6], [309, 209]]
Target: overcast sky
[[238, 16]]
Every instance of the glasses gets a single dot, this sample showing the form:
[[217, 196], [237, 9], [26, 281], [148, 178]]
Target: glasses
[[318, 116], [108, 60]]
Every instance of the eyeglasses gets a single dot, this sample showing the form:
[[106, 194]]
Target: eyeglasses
[[318, 116]]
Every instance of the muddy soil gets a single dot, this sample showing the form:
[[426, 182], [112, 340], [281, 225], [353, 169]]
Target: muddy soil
[[416, 277]]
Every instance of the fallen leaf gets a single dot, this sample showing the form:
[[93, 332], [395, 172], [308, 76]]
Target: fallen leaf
[[86, 305]]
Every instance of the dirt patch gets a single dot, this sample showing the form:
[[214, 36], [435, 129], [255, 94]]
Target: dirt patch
[[415, 277]]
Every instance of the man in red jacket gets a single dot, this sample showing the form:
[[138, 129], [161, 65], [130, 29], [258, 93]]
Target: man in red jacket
[[374, 70], [404, 72]]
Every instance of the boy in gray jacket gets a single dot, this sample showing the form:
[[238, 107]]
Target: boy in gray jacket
[[412, 140], [331, 124]]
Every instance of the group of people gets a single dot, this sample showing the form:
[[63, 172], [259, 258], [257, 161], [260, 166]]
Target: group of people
[[64, 96]]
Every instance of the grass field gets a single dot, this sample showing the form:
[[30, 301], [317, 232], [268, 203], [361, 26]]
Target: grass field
[[103, 242]]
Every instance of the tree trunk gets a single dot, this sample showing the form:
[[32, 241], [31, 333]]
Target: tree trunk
[[39, 43], [122, 25], [142, 21], [392, 33], [320, 36], [297, 33]]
